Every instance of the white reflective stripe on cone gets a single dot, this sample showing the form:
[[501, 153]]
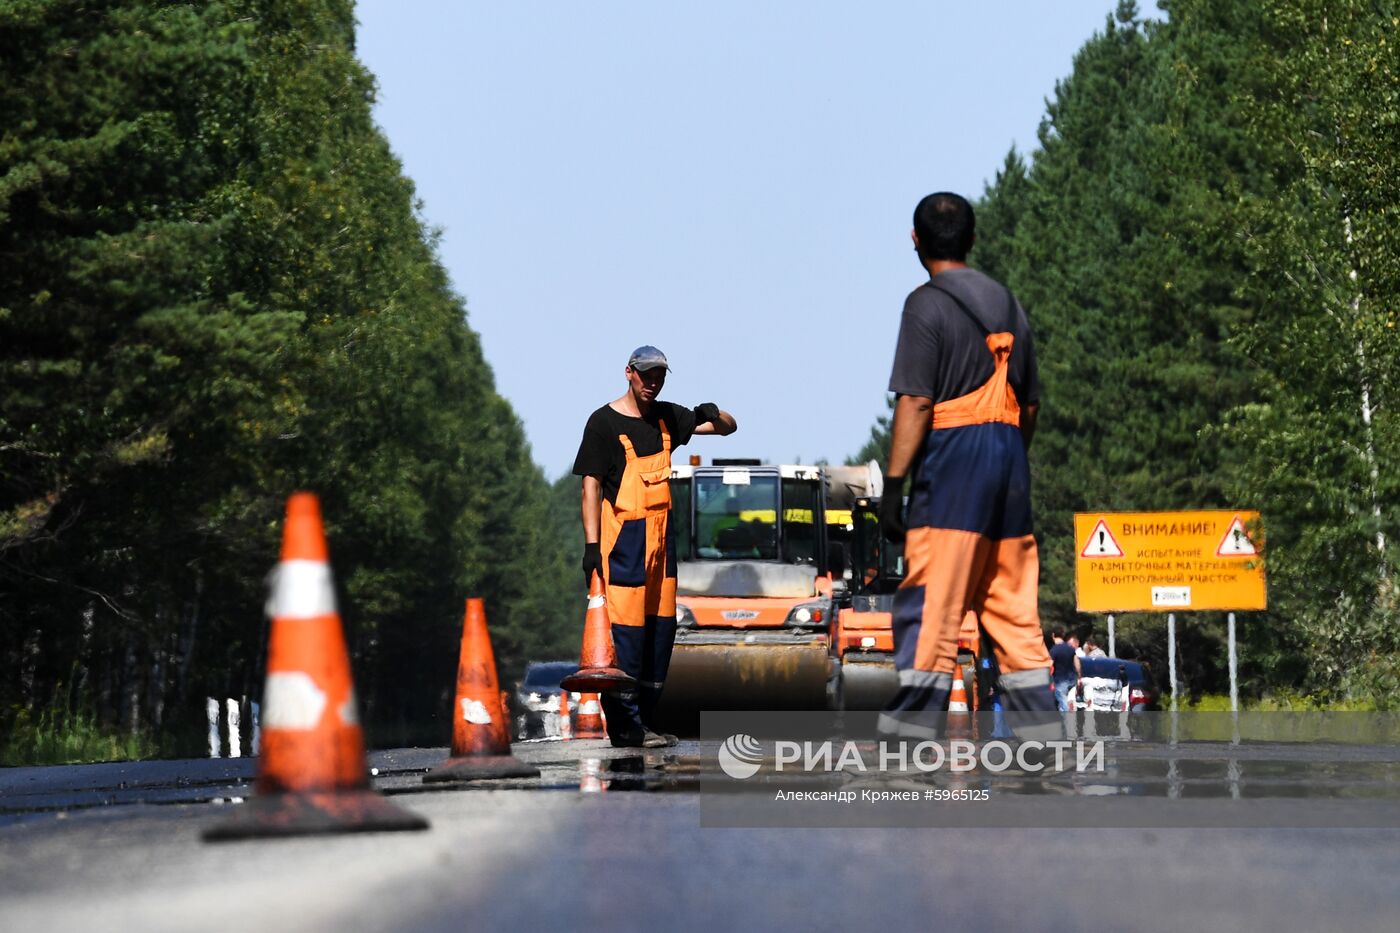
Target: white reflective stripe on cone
[[291, 700], [597, 602], [475, 712], [301, 589]]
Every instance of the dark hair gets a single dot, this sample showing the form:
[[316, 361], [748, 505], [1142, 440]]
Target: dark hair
[[1057, 632], [944, 224]]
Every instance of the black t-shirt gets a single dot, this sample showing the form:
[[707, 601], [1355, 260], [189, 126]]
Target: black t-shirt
[[1062, 661], [600, 452]]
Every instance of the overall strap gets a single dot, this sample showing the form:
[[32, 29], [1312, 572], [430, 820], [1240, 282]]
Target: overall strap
[[1010, 310], [628, 450]]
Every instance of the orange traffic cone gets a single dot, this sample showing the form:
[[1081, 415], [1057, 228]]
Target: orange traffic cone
[[598, 670], [312, 776], [589, 722], [959, 716], [480, 730], [566, 730]]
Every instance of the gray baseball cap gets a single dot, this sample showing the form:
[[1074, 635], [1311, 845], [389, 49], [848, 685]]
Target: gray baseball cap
[[647, 357]]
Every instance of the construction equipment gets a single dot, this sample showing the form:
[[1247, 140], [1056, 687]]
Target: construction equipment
[[865, 676], [864, 639], [761, 575]]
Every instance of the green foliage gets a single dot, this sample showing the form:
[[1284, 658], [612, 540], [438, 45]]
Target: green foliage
[[215, 289], [64, 736], [1283, 701], [1322, 440]]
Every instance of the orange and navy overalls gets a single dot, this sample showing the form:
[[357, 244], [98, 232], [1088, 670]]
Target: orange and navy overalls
[[969, 547], [639, 566]]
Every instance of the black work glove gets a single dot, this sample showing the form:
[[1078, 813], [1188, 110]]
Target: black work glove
[[592, 562], [707, 411], [892, 510]]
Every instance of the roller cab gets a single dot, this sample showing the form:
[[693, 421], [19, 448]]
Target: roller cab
[[759, 581]]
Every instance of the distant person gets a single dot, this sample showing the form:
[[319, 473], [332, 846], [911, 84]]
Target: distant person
[[967, 394], [625, 461], [1065, 671], [1074, 642], [1092, 649]]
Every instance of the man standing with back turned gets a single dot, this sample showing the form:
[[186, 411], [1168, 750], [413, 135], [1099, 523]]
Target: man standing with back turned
[[967, 396], [625, 462]]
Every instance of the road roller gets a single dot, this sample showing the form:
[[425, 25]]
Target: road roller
[[763, 571], [865, 678]]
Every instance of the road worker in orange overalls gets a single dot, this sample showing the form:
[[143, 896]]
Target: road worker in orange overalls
[[625, 462], [967, 396]]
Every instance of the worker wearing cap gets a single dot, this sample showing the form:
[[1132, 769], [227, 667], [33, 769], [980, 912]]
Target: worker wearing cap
[[625, 462], [967, 398]]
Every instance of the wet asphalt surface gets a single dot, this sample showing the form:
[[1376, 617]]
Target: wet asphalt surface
[[1262, 836]]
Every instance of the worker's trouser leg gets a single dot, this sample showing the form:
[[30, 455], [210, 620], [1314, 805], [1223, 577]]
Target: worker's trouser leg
[[1006, 598], [644, 652], [928, 615], [948, 572], [641, 572]]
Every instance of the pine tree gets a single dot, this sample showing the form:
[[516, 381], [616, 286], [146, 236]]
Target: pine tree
[[214, 289]]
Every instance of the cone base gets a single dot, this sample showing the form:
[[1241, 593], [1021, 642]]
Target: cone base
[[590, 734], [598, 680], [315, 814], [480, 767]]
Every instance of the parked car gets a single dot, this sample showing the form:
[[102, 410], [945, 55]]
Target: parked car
[[1104, 679], [537, 698]]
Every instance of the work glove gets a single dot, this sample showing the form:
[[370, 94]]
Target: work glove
[[592, 562], [892, 510], [707, 411]]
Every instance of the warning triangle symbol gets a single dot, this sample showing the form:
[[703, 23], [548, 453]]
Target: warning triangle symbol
[[1101, 543], [1236, 542]]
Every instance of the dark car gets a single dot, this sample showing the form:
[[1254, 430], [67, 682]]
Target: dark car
[[537, 698], [1103, 680]]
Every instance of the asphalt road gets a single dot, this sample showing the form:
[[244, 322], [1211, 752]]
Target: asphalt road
[[613, 840]]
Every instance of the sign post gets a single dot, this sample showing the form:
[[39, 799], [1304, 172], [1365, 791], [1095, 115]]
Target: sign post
[[1234, 679], [1171, 654], [1170, 562]]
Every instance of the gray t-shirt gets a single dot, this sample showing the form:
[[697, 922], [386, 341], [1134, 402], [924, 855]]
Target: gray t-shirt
[[942, 355]]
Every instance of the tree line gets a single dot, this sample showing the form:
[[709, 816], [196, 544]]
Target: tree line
[[1206, 241], [216, 288]]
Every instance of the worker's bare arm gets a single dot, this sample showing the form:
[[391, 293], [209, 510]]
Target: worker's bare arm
[[912, 419], [1028, 416], [724, 426], [591, 509]]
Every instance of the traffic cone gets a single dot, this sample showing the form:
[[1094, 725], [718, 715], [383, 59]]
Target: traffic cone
[[598, 670], [959, 716], [312, 775], [480, 731], [589, 722], [566, 730]]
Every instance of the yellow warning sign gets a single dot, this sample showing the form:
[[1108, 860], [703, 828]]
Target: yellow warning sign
[[1169, 561]]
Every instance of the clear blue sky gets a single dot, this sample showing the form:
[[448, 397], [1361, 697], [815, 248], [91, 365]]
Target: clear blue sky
[[730, 181]]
